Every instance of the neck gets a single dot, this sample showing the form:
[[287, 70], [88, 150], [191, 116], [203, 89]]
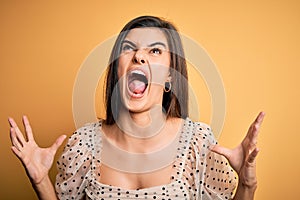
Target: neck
[[141, 124]]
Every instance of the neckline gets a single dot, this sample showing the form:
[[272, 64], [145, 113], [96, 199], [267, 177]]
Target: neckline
[[177, 169], [171, 184]]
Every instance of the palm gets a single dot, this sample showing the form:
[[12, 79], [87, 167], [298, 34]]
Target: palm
[[37, 161]]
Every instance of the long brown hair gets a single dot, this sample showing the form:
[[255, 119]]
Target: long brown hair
[[175, 103]]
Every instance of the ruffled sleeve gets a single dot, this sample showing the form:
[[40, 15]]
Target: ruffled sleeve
[[74, 165], [211, 175]]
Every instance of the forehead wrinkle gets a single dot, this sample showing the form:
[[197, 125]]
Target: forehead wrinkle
[[149, 45], [147, 37]]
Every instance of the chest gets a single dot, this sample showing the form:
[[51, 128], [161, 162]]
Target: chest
[[121, 179]]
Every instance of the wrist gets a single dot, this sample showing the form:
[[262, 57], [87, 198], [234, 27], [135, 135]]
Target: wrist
[[249, 188], [245, 191], [248, 183], [45, 181], [44, 189]]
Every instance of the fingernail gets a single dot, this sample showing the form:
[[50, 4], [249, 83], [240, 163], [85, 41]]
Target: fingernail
[[261, 115]]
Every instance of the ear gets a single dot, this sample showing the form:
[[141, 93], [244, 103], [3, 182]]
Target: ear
[[169, 78]]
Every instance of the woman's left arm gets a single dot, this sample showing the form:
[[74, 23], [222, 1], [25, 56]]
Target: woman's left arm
[[242, 160]]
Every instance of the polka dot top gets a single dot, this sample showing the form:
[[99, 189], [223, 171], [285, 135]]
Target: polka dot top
[[198, 172]]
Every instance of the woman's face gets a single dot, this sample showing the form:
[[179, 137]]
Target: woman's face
[[143, 68]]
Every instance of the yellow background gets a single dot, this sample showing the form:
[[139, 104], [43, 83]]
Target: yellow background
[[255, 45]]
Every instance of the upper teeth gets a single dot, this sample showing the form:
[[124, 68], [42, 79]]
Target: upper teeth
[[138, 72]]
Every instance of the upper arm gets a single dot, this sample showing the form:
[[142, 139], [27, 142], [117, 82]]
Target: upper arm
[[74, 167], [215, 178]]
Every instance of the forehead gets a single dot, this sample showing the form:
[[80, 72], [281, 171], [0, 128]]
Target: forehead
[[146, 36]]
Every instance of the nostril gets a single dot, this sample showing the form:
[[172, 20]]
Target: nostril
[[143, 61]]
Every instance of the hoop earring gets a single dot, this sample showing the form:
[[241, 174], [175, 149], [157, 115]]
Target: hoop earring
[[168, 86]]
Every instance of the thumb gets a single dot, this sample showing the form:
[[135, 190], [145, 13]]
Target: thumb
[[58, 143], [221, 150]]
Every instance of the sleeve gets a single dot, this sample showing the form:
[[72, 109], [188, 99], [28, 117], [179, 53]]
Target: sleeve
[[74, 166], [214, 177]]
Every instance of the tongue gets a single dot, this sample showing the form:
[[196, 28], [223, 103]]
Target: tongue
[[137, 87]]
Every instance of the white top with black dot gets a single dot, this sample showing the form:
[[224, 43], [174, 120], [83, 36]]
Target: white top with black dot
[[199, 173]]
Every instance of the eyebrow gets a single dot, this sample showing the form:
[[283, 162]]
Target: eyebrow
[[157, 43], [129, 42], [150, 45]]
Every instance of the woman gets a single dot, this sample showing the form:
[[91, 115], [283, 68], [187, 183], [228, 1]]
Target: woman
[[147, 147]]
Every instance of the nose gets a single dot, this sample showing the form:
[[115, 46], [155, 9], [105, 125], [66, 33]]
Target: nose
[[139, 57]]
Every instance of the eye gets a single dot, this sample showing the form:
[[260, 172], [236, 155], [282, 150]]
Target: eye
[[156, 51], [127, 48]]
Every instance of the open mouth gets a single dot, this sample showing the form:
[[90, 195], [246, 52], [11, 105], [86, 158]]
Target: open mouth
[[137, 82]]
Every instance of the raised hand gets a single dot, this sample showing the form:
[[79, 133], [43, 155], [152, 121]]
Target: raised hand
[[242, 158], [36, 160]]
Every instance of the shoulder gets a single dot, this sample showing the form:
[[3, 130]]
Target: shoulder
[[84, 135], [200, 133], [80, 144], [88, 129], [201, 141]]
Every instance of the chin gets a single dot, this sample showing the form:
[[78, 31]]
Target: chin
[[135, 106]]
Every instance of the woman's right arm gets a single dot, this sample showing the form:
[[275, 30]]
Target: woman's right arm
[[37, 161]]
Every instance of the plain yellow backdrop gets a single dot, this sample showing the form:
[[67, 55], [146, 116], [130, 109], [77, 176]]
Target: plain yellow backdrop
[[255, 45]]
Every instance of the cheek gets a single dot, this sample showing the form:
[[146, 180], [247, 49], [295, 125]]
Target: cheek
[[159, 74], [123, 65], [160, 70]]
